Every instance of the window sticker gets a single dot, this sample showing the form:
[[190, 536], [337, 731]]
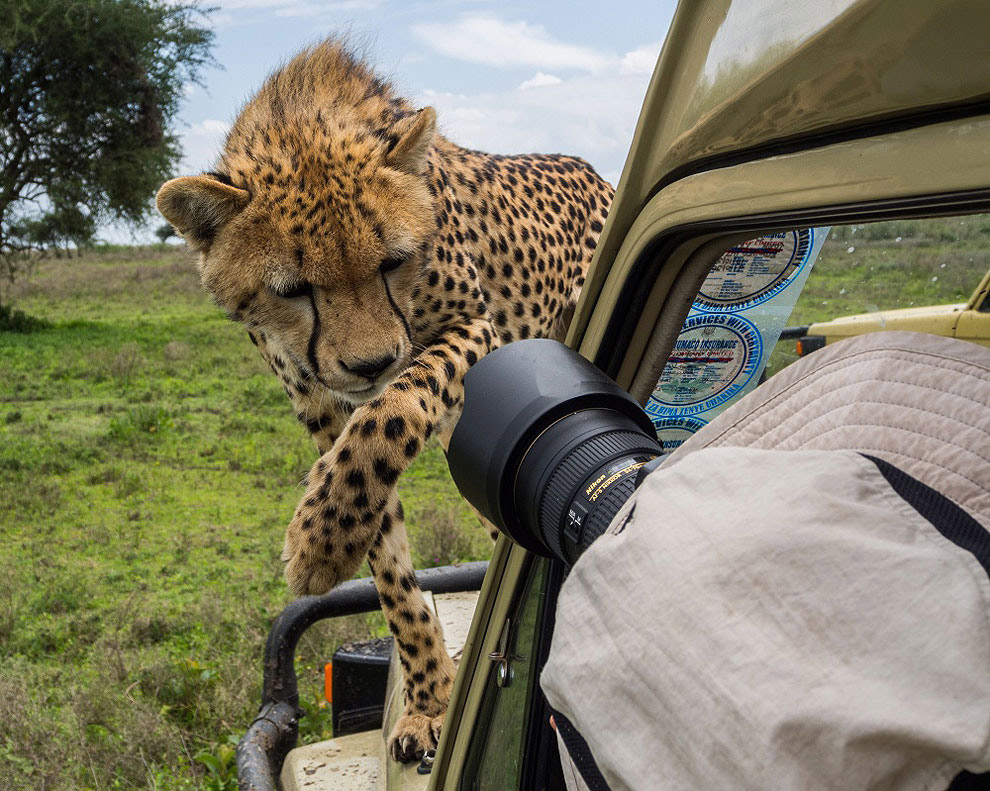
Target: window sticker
[[755, 271], [731, 330], [714, 357], [675, 430]]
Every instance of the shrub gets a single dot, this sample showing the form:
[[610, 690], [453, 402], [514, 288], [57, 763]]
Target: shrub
[[18, 321]]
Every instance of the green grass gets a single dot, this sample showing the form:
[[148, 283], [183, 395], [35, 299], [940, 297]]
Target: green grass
[[148, 465], [864, 268]]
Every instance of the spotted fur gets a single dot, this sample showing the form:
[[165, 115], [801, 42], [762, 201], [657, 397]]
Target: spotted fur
[[373, 262]]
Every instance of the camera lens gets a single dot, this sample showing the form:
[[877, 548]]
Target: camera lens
[[577, 475], [548, 447]]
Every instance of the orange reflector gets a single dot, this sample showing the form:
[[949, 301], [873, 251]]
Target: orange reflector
[[800, 349], [328, 682]]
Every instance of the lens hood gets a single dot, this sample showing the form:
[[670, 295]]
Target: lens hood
[[511, 397]]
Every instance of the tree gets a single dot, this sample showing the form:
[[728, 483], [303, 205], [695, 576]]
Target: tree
[[89, 92], [165, 232]]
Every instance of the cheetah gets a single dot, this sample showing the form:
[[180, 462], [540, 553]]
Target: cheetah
[[372, 262]]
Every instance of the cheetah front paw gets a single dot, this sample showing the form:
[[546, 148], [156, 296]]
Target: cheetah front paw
[[413, 735]]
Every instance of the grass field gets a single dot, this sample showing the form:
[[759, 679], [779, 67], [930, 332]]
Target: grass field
[[148, 465]]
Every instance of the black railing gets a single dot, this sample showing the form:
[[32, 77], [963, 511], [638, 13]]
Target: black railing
[[274, 732], [793, 333]]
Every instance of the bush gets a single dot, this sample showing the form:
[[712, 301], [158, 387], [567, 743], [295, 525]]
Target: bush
[[142, 420], [18, 321], [439, 538]]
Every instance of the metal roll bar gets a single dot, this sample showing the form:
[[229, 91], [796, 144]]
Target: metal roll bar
[[262, 750]]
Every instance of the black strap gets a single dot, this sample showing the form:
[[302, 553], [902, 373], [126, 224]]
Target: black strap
[[945, 516], [967, 781], [962, 530], [580, 753]]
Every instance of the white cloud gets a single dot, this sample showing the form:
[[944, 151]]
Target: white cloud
[[538, 80], [641, 60], [201, 144], [332, 5], [210, 127], [590, 116], [591, 113], [231, 9], [485, 39]]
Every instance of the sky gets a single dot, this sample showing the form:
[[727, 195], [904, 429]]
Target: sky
[[505, 77]]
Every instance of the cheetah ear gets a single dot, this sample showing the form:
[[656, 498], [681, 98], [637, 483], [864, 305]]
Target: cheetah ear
[[199, 206], [415, 136]]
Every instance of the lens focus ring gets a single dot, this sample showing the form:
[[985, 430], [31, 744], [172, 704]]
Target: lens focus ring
[[588, 462]]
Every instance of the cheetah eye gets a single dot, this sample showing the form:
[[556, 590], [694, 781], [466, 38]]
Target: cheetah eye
[[296, 290], [392, 262]]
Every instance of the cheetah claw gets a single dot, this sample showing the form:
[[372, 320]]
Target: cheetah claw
[[413, 735]]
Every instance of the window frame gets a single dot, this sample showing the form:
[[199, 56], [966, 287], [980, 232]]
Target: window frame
[[646, 288], [532, 748]]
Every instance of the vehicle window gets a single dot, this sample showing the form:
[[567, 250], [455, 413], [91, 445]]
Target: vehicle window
[[775, 298], [496, 753]]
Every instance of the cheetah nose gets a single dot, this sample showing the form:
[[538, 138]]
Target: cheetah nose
[[368, 368]]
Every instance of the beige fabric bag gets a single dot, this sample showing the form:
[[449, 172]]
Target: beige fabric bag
[[770, 619]]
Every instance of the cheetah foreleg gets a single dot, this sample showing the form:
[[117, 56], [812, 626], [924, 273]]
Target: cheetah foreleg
[[428, 672], [350, 510], [349, 487]]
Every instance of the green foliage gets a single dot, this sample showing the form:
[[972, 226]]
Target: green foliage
[[165, 232], [63, 223], [89, 91], [222, 767], [316, 724], [136, 424], [890, 265], [441, 539]]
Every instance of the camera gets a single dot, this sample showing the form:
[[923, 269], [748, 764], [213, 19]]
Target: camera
[[548, 447]]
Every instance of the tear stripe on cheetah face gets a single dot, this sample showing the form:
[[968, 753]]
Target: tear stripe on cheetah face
[[340, 228]]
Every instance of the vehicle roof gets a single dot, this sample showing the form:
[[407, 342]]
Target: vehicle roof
[[748, 75], [747, 88]]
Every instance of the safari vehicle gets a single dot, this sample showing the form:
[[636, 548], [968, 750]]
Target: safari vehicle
[[763, 119], [968, 321]]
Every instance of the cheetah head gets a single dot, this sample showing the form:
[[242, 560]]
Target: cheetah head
[[313, 234]]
